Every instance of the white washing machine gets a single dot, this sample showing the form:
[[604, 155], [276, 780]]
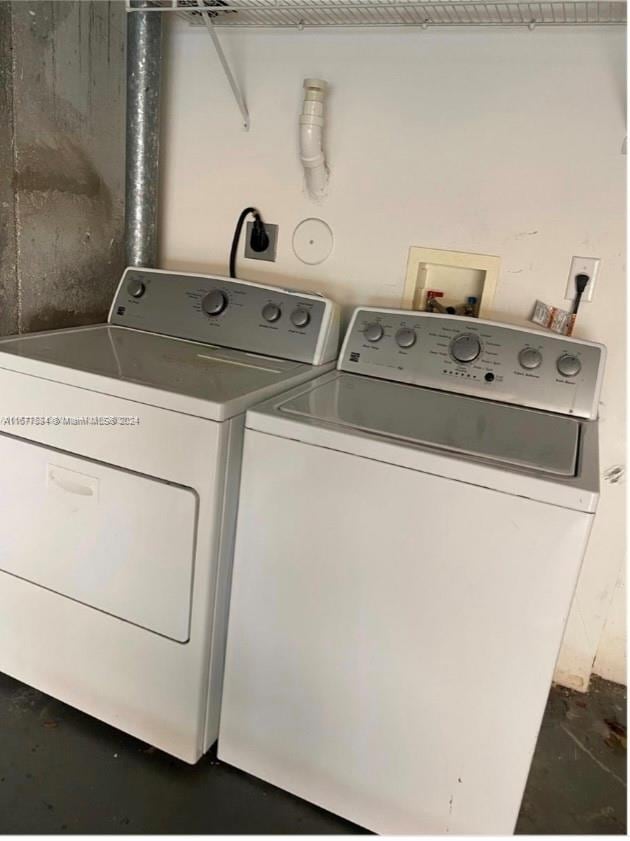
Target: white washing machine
[[410, 532], [120, 447]]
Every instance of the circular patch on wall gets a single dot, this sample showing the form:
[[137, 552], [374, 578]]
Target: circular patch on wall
[[312, 241]]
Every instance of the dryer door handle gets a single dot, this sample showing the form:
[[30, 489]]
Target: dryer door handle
[[71, 482]]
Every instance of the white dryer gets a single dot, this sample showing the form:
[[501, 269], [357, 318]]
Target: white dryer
[[410, 532], [120, 447]]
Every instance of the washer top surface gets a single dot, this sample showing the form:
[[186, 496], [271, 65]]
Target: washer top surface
[[502, 394], [521, 452], [495, 432], [483, 402]]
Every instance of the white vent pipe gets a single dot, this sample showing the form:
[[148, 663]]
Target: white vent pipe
[[311, 138]]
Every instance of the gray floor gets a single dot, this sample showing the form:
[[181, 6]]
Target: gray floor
[[62, 771]]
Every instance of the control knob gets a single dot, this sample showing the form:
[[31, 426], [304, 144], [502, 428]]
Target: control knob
[[271, 312], [466, 347], [406, 337], [569, 365], [136, 288], [214, 302], [530, 358], [373, 332], [300, 317]]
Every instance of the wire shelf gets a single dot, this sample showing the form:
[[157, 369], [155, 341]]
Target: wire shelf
[[302, 14]]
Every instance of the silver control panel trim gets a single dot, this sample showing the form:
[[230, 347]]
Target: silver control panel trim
[[501, 362], [227, 312]]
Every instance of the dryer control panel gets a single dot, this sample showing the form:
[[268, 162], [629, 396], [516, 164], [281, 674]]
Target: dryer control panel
[[229, 313], [482, 358]]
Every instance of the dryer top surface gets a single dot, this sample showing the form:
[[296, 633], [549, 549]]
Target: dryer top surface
[[128, 362]]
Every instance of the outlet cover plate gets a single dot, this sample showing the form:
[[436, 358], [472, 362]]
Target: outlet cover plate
[[270, 252], [582, 265]]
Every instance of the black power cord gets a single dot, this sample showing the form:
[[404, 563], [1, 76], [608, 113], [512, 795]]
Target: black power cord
[[581, 282], [259, 239]]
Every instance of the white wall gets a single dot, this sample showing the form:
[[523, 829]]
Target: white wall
[[610, 662], [499, 142]]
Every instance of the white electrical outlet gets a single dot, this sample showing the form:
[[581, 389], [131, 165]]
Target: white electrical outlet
[[582, 265]]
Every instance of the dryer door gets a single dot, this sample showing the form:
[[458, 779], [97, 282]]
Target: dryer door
[[113, 540]]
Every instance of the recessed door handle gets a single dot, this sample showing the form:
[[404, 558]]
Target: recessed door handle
[[71, 482]]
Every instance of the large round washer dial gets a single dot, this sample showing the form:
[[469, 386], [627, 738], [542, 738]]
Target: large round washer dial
[[466, 347], [271, 312], [406, 337], [214, 302], [373, 332], [569, 365], [300, 317], [530, 358]]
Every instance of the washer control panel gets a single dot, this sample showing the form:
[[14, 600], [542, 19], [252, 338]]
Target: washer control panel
[[484, 358], [230, 313]]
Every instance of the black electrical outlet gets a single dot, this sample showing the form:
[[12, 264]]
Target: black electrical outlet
[[256, 248]]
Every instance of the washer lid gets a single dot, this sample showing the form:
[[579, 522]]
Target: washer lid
[[492, 431], [204, 380]]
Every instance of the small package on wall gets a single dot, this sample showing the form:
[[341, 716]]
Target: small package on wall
[[560, 321]]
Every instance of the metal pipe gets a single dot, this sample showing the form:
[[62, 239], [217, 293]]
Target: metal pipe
[[144, 59]]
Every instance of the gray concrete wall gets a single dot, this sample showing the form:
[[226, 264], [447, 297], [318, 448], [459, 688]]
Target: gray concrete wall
[[8, 256], [62, 234]]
